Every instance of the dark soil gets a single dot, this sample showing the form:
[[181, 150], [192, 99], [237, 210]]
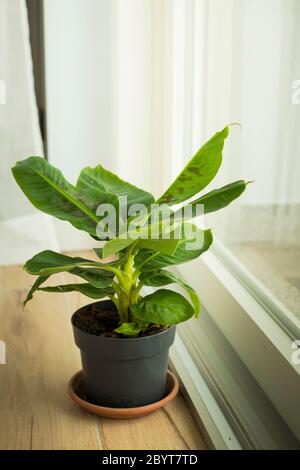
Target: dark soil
[[103, 322], [97, 322]]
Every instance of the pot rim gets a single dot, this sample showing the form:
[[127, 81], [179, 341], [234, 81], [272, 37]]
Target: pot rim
[[107, 338]]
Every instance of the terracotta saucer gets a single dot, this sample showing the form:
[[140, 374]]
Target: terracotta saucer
[[76, 392]]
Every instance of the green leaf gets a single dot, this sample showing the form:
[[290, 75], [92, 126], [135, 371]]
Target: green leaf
[[85, 289], [149, 260], [114, 246], [38, 282], [48, 190], [49, 262], [167, 247], [160, 244], [216, 199], [163, 278], [163, 307], [99, 252], [96, 277], [115, 262], [199, 172], [129, 329], [100, 179]]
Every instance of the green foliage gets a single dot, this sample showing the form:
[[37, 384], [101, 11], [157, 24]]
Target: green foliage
[[103, 180], [164, 278], [149, 260], [50, 192], [85, 289], [163, 307], [129, 329], [199, 172], [218, 198], [137, 260]]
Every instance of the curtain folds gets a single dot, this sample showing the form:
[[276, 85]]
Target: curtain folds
[[19, 128], [22, 230]]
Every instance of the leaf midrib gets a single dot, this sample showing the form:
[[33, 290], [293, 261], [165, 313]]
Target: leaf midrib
[[72, 266], [169, 304], [85, 209]]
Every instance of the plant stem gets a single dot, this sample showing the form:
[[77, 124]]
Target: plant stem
[[126, 290]]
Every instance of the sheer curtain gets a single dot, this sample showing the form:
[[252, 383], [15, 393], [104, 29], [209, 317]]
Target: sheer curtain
[[252, 61], [21, 230], [138, 85], [238, 61], [185, 69]]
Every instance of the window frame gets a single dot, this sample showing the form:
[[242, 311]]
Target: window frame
[[260, 342], [276, 309], [229, 406], [258, 327]]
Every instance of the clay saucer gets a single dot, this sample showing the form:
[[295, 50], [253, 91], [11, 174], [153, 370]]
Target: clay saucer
[[76, 392]]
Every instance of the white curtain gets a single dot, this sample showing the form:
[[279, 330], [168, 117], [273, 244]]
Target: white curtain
[[185, 69], [22, 231], [20, 135], [251, 62], [138, 85]]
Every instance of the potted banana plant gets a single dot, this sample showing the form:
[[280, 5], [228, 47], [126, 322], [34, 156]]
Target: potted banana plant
[[125, 339]]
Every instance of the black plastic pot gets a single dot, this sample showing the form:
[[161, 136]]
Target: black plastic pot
[[121, 372]]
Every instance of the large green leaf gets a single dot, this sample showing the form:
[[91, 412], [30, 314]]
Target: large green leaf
[[38, 282], [149, 260], [85, 289], [96, 277], [48, 190], [164, 278], [215, 200], [199, 172], [100, 179], [163, 307], [49, 262]]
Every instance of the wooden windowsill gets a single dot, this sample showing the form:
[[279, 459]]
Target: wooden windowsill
[[35, 411]]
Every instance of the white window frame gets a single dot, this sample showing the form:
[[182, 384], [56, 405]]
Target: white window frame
[[259, 341], [259, 329], [230, 407]]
